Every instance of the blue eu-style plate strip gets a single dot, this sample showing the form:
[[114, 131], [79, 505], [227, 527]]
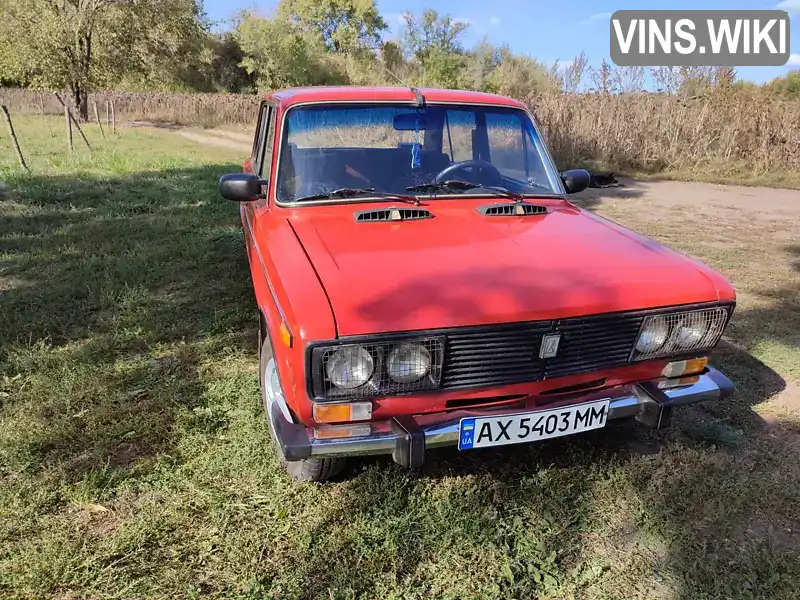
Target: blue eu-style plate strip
[[466, 435]]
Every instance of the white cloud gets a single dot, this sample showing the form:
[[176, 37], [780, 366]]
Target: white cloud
[[792, 6], [794, 61], [596, 17], [494, 20]]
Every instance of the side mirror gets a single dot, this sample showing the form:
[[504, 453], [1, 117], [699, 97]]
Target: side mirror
[[576, 180], [241, 187]]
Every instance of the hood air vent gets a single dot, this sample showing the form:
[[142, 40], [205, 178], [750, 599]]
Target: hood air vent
[[511, 210], [393, 214]]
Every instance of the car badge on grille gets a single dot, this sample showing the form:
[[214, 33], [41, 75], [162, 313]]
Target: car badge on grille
[[549, 346]]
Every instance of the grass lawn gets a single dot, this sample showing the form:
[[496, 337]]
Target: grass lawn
[[135, 460]]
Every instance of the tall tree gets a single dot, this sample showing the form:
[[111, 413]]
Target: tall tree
[[520, 76], [430, 32], [227, 74], [344, 25], [279, 53], [87, 44]]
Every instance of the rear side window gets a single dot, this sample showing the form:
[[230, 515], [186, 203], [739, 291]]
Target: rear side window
[[266, 162], [259, 147]]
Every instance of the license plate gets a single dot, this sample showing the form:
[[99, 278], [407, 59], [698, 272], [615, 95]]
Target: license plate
[[482, 432]]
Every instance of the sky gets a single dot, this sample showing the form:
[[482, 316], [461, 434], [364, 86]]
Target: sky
[[548, 30]]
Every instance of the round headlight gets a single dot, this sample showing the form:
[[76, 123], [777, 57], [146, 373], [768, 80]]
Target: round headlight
[[350, 367], [653, 336], [690, 334], [408, 363]]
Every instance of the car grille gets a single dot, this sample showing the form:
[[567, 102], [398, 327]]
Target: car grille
[[593, 343], [491, 356], [510, 353]]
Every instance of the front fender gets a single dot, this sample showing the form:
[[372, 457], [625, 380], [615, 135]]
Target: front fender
[[290, 298]]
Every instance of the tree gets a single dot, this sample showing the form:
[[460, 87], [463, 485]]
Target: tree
[[392, 56], [432, 43], [227, 74], [87, 44], [170, 45], [429, 32], [788, 86], [481, 64], [520, 76], [344, 25], [279, 53]]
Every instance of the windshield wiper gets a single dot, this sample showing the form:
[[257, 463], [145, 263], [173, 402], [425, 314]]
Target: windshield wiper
[[459, 185], [353, 192]]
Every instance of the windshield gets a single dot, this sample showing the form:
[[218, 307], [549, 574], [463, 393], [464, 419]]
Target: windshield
[[390, 148]]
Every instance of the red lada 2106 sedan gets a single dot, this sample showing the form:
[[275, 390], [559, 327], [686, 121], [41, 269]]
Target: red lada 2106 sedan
[[423, 281]]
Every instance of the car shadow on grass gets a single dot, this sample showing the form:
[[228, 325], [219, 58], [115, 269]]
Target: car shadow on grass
[[115, 291]]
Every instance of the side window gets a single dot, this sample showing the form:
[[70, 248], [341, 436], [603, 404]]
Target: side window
[[266, 163], [259, 145], [257, 137]]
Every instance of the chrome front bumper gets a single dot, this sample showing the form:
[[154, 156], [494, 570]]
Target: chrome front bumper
[[407, 438]]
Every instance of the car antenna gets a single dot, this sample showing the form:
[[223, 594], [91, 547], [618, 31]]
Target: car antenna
[[419, 99]]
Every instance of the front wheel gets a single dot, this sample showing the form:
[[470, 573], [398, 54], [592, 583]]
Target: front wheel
[[309, 469]]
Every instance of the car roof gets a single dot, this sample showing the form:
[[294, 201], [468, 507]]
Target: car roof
[[352, 93]]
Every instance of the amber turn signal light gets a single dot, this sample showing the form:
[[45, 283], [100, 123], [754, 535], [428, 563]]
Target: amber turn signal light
[[286, 335], [680, 368], [341, 413]]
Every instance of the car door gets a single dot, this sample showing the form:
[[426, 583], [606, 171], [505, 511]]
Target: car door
[[260, 163]]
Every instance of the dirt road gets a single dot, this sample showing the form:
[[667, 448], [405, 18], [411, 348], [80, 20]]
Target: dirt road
[[208, 137], [662, 196]]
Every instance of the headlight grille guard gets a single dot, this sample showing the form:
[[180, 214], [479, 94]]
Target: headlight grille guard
[[380, 383], [379, 345], [714, 319]]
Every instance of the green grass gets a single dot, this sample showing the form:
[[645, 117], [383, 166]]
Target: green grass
[[135, 460]]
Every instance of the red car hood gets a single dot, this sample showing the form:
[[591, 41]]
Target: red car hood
[[462, 268]]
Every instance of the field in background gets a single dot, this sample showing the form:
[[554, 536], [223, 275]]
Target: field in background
[[135, 460], [748, 137]]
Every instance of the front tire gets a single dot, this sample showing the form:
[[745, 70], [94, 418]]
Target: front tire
[[315, 470]]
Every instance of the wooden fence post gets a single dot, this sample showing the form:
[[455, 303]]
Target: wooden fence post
[[14, 138], [113, 118], [108, 116], [97, 118], [78, 127], [68, 119]]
